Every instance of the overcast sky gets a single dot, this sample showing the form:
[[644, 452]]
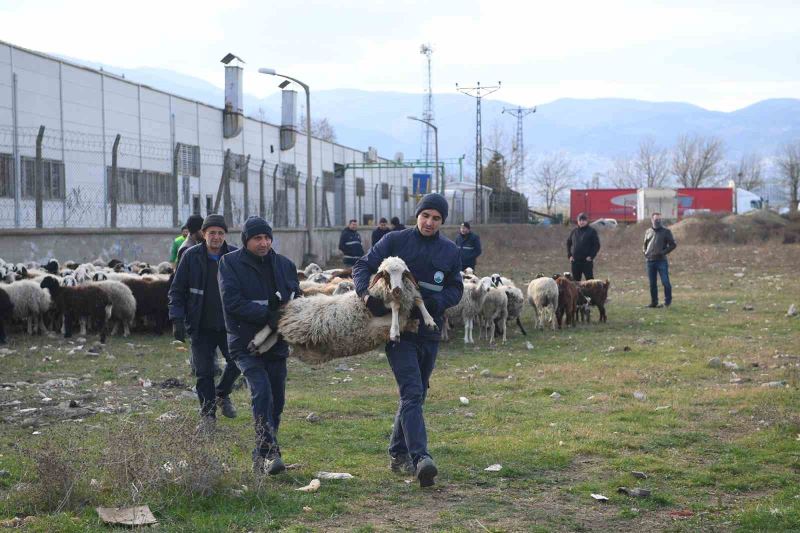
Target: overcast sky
[[719, 55]]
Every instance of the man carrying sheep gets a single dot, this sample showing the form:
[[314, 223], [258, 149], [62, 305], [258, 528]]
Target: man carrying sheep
[[350, 243], [583, 244], [434, 261], [195, 307], [658, 242], [255, 282]]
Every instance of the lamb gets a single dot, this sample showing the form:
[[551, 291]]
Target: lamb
[[151, 300], [309, 271], [467, 310], [332, 288], [543, 297], [339, 326], [516, 301], [597, 292], [123, 305], [494, 311], [498, 280], [83, 301], [567, 300], [165, 267], [84, 272], [29, 303], [583, 310]]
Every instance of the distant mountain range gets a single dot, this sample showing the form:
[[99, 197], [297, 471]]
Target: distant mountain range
[[593, 131]]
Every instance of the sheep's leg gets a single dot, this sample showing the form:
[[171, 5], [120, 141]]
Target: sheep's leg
[[30, 325], [261, 336], [426, 316], [467, 325], [552, 311], [394, 330], [83, 325], [42, 326], [505, 328], [519, 323], [445, 333], [114, 328], [267, 344], [490, 328], [126, 329], [602, 309]]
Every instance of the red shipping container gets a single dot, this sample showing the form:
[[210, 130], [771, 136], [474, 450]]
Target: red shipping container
[[619, 204], [710, 199]]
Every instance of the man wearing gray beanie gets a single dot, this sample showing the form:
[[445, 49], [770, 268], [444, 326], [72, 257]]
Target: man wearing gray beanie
[[434, 261]]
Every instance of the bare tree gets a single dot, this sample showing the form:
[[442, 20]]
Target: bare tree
[[788, 163], [551, 177], [321, 128], [648, 168], [747, 173], [697, 161], [623, 174]]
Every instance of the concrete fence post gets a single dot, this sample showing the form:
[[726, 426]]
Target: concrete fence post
[[247, 187], [175, 177], [262, 207], [222, 180], [112, 184], [38, 179]]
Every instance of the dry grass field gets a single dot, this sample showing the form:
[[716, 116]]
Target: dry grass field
[[719, 444]]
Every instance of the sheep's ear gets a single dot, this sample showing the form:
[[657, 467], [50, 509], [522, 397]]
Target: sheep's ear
[[301, 275], [410, 277], [380, 276]]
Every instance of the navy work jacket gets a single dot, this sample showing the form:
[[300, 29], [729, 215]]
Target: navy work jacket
[[470, 247]]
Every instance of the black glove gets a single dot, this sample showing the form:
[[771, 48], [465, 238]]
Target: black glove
[[376, 307], [179, 330], [432, 306]]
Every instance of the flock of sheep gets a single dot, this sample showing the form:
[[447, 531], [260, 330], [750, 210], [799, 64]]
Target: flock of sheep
[[98, 296], [92, 296]]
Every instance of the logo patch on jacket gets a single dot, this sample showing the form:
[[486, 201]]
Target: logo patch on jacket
[[438, 277]]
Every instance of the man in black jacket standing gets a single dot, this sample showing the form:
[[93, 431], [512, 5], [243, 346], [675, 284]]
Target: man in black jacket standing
[[195, 307], [255, 282], [583, 245], [469, 245], [350, 243], [380, 231], [658, 242]]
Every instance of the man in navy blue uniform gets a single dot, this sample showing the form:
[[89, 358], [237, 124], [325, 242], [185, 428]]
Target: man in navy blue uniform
[[195, 307], [350, 243], [434, 261], [396, 225], [255, 282], [380, 231], [469, 244]]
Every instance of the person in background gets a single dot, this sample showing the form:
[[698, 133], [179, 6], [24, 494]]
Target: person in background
[[583, 245], [434, 262], [254, 282], [396, 225], [658, 243], [195, 307], [176, 244], [350, 243], [194, 225], [469, 245], [380, 231]]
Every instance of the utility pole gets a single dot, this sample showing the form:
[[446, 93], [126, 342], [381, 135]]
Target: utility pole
[[427, 107], [519, 145], [478, 92]]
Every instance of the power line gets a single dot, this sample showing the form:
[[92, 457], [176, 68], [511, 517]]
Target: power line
[[478, 92]]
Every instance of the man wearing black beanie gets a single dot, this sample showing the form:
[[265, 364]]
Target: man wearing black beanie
[[195, 307], [255, 282], [435, 263], [195, 226]]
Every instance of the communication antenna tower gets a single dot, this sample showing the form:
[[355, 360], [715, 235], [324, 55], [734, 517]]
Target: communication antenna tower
[[427, 148], [518, 155]]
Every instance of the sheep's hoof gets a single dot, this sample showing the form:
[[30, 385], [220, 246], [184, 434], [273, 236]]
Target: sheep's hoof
[[251, 347]]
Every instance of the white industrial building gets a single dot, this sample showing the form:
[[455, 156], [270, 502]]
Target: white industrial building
[[83, 110]]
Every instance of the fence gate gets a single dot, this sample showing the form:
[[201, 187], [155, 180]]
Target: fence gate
[[339, 213]]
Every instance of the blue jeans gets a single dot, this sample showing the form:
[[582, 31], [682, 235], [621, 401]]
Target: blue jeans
[[204, 355], [267, 381], [412, 360], [660, 268]]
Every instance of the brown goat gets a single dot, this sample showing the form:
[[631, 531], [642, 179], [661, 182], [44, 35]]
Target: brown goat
[[567, 301], [597, 292]]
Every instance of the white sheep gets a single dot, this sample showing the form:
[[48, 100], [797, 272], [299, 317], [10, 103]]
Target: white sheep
[[494, 310], [467, 311], [516, 302], [31, 303], [543, 297], [123, 306], [338, 326]]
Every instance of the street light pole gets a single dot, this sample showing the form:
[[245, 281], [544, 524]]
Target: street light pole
[[309, 177], [439, 185]]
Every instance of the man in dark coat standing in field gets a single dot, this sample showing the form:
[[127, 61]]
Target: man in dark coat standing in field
[[255, 282], [350, 243], [380, 231], [583, 245], [434, 261], [396, 225], [195, 307], [658, 243], [469, 244]]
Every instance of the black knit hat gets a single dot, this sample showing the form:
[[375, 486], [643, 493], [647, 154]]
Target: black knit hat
[[383, 220], [215, 220], [255, 226], [583, 216], [466, 225], [395, 221], [194, 223], [433, 201]]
